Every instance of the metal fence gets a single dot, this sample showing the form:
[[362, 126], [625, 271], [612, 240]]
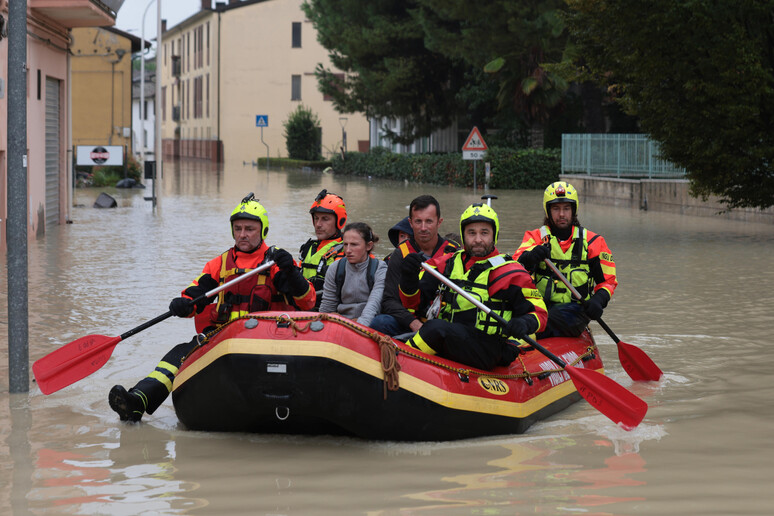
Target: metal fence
[[615, 155]]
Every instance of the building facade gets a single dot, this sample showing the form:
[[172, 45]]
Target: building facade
[[230, 63], [49, 157], [102, 86], [144, 113]]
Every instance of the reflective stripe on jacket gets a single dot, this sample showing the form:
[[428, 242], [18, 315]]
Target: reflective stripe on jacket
[[475, 281]]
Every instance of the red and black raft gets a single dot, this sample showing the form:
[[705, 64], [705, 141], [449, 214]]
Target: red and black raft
[[310, 373]]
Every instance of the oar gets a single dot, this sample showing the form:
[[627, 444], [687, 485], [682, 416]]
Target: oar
[[603, 393], [635, 361], [81, 357]]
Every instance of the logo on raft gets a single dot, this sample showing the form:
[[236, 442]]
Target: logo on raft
[[493, 385]]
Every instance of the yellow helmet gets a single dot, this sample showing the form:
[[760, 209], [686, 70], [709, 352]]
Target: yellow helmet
[[479, 213], [560, 192], [251, 209]]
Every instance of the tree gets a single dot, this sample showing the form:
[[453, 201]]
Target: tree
[[389, 71], [511, 40], [700, 76], [303, 136]]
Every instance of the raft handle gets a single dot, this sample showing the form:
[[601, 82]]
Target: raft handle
[[277, 413]]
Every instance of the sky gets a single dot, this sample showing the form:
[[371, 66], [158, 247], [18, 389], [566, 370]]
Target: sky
[[130, 15]]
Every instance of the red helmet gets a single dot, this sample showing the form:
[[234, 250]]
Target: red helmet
[[330, 203]]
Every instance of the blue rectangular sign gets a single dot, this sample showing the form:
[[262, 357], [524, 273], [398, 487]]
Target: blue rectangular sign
[[261, 120]]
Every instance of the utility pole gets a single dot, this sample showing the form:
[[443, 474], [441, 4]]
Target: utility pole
[[18, 316]]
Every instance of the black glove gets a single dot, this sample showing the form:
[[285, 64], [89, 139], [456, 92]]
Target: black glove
[[517, 327], [181, 306], [594, 306], [409, 272], [284, 260], [530, 259]]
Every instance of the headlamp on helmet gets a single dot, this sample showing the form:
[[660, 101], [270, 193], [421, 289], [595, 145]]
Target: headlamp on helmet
[[560, 192], [251, 209], [480, 213], [330, 203]]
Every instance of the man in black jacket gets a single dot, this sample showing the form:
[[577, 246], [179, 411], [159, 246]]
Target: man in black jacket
[[425, 219]]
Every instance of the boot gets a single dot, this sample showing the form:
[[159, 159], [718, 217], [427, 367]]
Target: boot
[[130, 406]]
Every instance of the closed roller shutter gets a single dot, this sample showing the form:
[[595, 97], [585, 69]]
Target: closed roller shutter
[[52, 151]]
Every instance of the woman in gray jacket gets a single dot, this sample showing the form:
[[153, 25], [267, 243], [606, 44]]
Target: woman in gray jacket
[[354, 284]]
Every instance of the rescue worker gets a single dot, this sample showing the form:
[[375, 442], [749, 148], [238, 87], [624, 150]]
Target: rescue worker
[[462, 332], [581, 255], [329, 215], [281, 287], [424, 219]]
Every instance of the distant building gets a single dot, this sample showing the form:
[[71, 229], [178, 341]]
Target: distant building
[[441, 140], [102, 86], [49, 184], [227, 64], [143, 113]]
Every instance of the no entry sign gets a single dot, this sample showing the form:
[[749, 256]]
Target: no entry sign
[[91, 155]]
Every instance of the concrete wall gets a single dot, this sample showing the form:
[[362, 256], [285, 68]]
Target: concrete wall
[[667, 195]]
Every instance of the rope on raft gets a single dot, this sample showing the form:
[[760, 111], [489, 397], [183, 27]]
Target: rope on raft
[[389, 349]]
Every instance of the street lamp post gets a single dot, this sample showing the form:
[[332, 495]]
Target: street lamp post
[[142, 85], [343, 124]]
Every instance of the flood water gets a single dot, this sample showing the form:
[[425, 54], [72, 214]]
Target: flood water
[[695, 293]]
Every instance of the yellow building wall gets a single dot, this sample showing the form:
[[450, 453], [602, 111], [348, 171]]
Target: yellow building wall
[[254, 59], [101, 88]]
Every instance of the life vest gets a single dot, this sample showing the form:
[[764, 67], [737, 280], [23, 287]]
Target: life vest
[[315, 261], [574, 264], [444, 247], [255, 294], [341, 273], [475, 281]]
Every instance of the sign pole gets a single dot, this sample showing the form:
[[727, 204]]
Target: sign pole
[[263, 121]]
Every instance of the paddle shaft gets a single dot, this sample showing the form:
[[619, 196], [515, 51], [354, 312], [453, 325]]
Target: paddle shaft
[[577, 295], [604, 394], [148, 324], [81, 357], [481, 306]]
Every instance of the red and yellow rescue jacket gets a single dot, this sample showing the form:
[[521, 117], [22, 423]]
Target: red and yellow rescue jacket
[[496, 280], [584, 259], [261, 292]]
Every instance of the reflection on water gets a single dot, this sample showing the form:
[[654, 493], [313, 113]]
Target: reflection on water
[[687, 297]]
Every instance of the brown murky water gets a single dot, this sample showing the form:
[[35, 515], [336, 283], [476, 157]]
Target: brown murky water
[[695, 294]]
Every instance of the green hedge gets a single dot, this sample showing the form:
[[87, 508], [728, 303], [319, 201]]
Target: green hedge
[[511, 169]]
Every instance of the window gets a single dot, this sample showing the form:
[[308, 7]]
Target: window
[[296, 35], [145, 110], [207, 97], [164, 103], [295, 87], [208, 43]]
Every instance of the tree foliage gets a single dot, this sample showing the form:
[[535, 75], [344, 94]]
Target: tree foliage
[[510, 40], [389, 71], [303, 136], [700, 76], [431, 61]]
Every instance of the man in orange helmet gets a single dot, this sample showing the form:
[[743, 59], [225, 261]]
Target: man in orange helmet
[[281, 287], [329, 215], [581, 255]]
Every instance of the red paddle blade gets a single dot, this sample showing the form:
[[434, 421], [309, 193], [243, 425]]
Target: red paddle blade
[[637, 363], [73, 362], [604, 394]]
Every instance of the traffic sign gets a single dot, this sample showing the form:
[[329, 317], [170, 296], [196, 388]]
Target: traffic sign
[[261, 120], [475, 146]]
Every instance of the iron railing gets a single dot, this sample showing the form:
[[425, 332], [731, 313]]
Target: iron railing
[[615, 155]]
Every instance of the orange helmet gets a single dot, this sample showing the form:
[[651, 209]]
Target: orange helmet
[[330, 203]]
